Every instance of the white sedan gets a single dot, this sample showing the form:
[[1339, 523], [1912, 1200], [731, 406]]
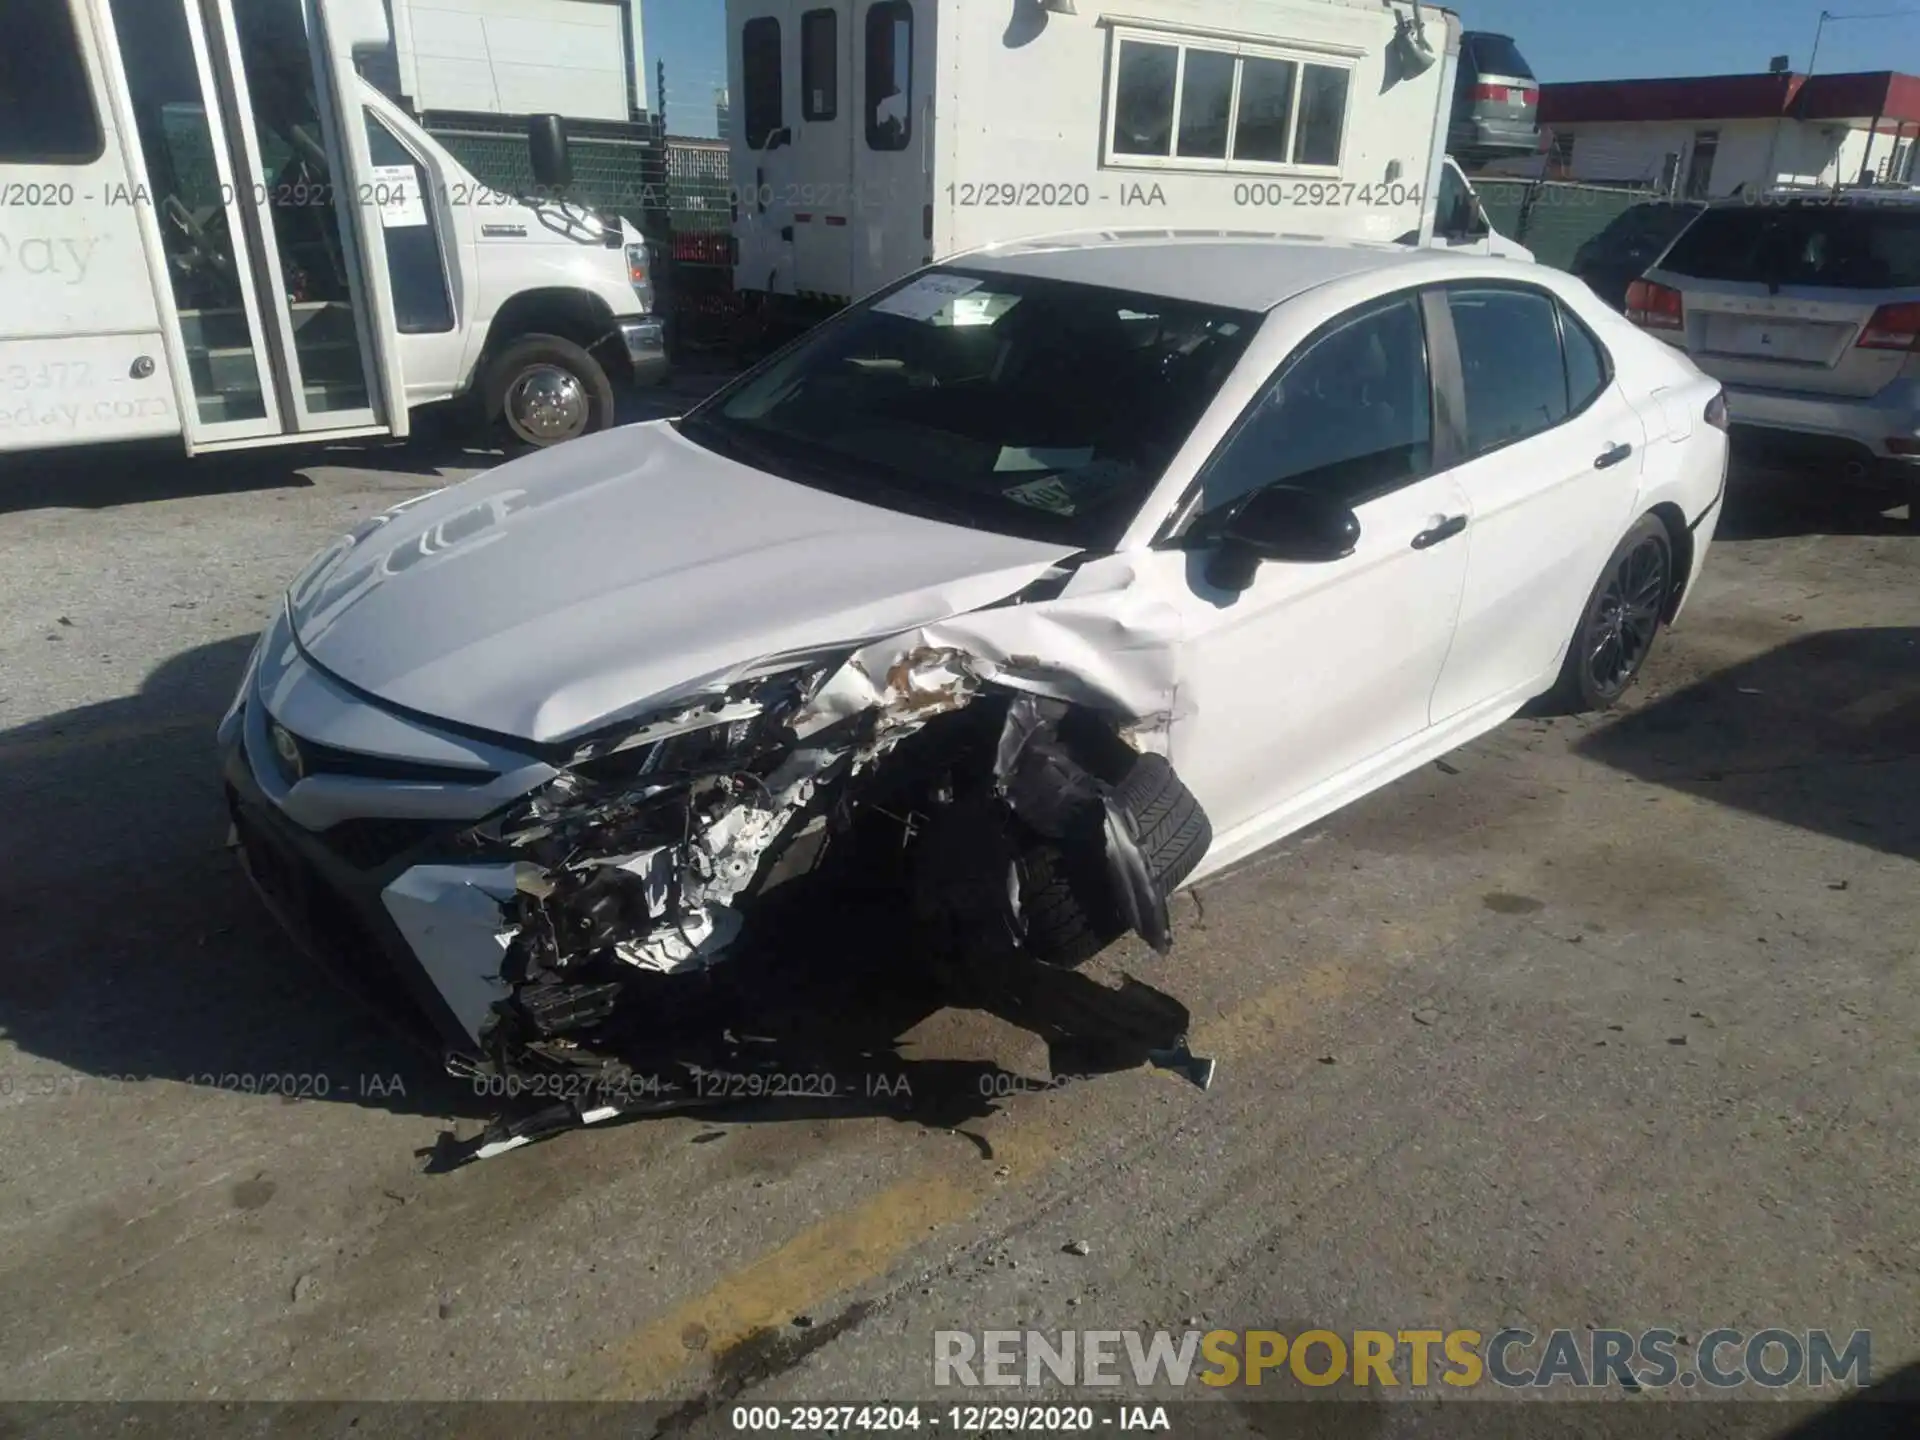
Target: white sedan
[[1058, 576]]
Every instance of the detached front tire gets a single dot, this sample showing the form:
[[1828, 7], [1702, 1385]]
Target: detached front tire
[[1066, 892], [1620, 623], [543, 390]]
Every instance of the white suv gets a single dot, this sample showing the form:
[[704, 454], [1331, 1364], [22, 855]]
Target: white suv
[[1057, 576], [1808, 309]]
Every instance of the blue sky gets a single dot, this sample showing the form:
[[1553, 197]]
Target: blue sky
[[1562, 39]]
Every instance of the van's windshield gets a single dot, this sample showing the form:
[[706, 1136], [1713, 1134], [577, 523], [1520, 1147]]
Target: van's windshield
[[1833, 245], [1027, 406]]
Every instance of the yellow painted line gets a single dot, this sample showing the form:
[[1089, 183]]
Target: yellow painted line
[[862, 1244], [867, 1241], [56, 746]]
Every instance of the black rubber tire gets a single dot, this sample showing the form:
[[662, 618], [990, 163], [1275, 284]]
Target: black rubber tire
[[1577, 692], [555, 350], [1066, 896]]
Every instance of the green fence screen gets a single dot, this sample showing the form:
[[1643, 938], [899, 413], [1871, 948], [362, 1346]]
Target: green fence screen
[[1554, 218]]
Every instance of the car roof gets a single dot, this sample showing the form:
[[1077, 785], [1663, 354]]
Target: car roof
[[1240, 271]]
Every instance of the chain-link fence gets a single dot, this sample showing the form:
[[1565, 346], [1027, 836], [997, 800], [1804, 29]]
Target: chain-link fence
[[617, 165], [700, 213], [1554, 218]]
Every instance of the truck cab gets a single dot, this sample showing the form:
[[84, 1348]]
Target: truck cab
[[1460, 220], [216, 229]]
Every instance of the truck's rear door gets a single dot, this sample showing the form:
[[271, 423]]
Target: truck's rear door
[[826, 205]]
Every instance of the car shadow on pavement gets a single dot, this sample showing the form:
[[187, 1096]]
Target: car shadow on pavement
[[1822, 733], [1770, 499], [138, 950]]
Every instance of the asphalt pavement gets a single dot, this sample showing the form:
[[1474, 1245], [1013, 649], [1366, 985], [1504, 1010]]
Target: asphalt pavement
[[1600, 1023]]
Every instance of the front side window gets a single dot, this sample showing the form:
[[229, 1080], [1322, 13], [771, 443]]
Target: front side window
[[819, 65], [46, 98], [760, 75], [422, 304], [889, 75], [1516, 382], [1177, 102], [1021, 405], [1351, 413]]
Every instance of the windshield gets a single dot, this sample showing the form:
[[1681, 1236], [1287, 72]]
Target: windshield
[[1835, 246], [1032, 407], [1497, 55]]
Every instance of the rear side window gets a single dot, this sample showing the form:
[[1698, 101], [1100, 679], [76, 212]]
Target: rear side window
[[1516, 381], [1838, 247], [1587, 369], [819, 65], [1497, 55], [1351, 414], [760, 73], [46, 99], [889, 75]]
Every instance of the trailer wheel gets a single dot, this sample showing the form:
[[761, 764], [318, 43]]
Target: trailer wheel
[[543, 390]]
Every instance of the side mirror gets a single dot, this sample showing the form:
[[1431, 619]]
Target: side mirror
[[1283, 523], [547, 148]]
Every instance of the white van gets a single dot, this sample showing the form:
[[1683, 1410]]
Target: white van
[[872, 136], [212, 227]]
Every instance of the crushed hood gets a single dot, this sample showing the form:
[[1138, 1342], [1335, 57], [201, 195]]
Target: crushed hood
[[567, 590]]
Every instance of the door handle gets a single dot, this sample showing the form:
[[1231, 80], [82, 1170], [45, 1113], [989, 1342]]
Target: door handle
[[1445, 530], [1612, 455]]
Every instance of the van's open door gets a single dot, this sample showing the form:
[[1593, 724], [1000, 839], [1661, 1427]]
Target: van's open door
[[252, 157]]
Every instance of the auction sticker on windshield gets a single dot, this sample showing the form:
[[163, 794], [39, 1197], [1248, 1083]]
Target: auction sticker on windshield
[[927, 296]]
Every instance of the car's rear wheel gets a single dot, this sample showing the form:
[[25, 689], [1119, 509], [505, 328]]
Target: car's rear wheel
[[1620, 622]]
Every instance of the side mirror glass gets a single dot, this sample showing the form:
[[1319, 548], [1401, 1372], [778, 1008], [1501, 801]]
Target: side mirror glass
[[548, 150], [1283, 523]]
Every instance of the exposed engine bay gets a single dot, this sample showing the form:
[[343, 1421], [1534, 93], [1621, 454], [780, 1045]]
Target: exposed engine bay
[[1019, 825]]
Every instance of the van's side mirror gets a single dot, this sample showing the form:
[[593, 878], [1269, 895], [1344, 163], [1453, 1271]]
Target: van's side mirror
[[1284, 523], [1468, 220], [547, 147]]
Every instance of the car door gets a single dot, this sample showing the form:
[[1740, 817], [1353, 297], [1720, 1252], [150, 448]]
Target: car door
[[1290, 686], [1552, 464]]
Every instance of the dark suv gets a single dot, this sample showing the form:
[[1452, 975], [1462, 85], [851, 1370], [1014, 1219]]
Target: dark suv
[[1496, 100], [1633, 240]]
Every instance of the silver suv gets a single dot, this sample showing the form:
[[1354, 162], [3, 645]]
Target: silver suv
[[1807, 308]]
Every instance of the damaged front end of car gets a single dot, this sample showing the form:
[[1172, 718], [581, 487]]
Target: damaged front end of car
[[1016, 824]]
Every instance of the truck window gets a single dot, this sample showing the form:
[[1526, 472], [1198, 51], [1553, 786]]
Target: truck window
[[1251, 111], [46, 98], [889, 75], [1323, 115], [1143, 99], [416, 269], [760, 69], [819, 65]]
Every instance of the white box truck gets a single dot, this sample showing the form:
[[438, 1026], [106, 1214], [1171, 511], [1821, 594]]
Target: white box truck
[[871, 137], [213, 228]]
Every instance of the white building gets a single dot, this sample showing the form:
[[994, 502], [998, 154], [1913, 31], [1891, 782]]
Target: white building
[[1706, 137], [580, 58]]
